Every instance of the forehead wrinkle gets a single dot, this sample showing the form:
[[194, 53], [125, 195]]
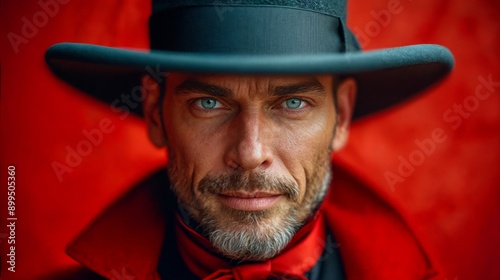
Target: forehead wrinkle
[[252, 87]]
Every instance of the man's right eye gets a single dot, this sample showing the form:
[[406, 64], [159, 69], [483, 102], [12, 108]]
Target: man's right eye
[[208, 103]]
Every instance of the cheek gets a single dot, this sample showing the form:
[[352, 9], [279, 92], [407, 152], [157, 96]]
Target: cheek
[[304, 150], [197, 145]]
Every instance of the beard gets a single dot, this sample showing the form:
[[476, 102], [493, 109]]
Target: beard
[[250, 235]]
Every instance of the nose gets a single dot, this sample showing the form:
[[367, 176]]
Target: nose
[[249, 147]]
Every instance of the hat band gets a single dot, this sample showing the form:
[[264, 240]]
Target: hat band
[[246, 30]]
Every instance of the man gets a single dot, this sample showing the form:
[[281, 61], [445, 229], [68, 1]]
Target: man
[[251, 99]]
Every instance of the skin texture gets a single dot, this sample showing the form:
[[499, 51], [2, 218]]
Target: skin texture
[[230, 136]]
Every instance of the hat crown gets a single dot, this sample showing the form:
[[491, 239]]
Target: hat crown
[[335, 8], [251, 27]]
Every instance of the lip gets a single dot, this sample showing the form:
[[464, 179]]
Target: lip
[[244, 201]]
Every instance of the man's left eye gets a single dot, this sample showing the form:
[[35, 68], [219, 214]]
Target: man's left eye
[[293, 103], [208, 103]]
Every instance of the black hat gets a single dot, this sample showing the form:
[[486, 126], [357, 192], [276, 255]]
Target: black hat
[[253, 37]]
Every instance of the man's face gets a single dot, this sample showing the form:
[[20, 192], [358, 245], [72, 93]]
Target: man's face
[[249, 156]]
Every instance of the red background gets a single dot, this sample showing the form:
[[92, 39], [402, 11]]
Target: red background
[[453, 196]]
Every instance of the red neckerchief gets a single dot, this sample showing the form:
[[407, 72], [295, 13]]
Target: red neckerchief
[[299, 257]]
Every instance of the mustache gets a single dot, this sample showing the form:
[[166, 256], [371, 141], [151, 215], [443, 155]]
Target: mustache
[[249, 182]]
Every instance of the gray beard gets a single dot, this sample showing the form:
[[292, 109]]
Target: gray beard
[[260, 239], [250, 236], [257, 243]]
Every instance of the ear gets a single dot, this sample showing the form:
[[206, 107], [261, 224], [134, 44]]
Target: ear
[[346, 98], [151, 109]]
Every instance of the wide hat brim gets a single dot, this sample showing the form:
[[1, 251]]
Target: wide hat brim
[[384, 77]]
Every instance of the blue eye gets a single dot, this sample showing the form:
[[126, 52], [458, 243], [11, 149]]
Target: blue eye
[[208, 103], [293, 103]]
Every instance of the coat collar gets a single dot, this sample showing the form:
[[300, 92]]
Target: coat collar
[[125, 240], [375, 242]]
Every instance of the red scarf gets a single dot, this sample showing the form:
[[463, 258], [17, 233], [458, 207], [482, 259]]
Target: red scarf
[[299, 257]]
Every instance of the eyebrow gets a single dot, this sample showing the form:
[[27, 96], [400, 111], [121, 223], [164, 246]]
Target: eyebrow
[[304, 87], [193, 86], [190, 86]]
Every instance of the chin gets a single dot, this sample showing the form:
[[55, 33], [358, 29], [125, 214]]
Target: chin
[[250, 236]]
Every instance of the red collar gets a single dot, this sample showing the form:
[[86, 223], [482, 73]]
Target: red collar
[[305, 248], [375, 242], [126, 239]]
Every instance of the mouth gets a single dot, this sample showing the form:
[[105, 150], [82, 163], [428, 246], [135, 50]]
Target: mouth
[[244, 201]]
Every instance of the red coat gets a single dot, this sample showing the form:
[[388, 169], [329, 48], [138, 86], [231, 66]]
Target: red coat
[[375, 241]]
